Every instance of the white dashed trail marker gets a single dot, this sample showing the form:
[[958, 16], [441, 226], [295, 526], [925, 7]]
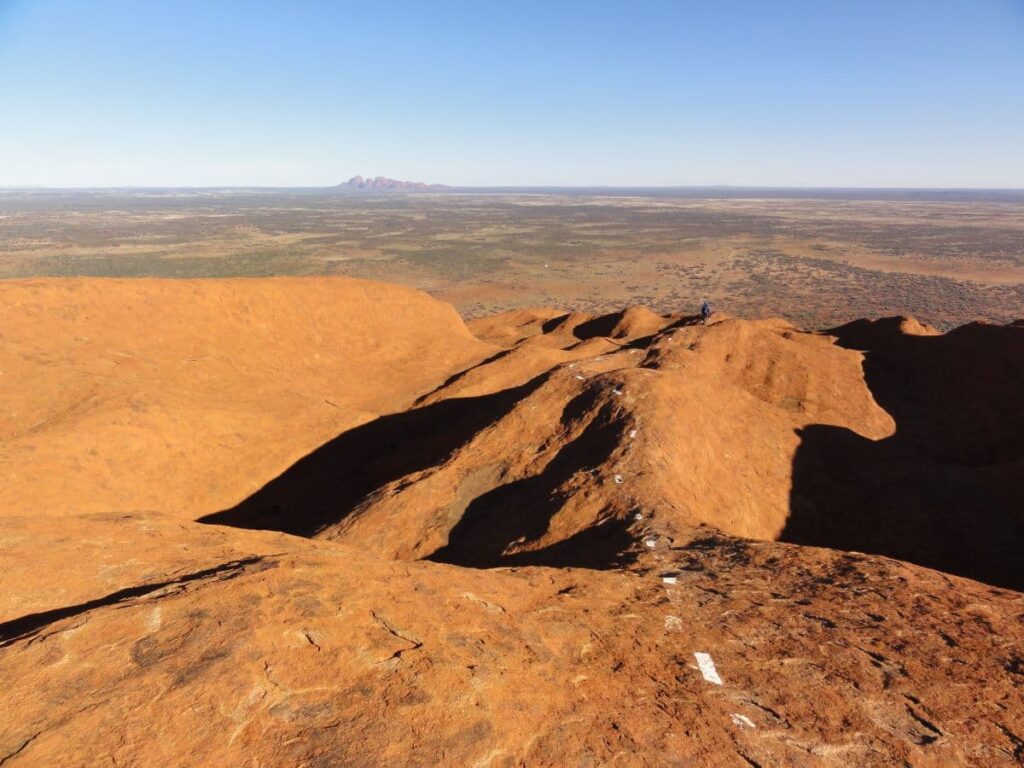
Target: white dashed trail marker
[[743, 721], [707, 667]]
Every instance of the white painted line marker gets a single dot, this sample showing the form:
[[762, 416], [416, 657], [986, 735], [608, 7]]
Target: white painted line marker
[[743, 721], [707, 667]]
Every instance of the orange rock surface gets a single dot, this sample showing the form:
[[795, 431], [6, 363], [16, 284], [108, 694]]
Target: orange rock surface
[[184, 396], [322, 522]]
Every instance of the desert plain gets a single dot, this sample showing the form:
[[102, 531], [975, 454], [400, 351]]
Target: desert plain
[[818, 258]]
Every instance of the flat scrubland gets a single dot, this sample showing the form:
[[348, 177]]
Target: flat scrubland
[[817, 262]]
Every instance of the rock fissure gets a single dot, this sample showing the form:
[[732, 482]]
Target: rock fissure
[[29, 625]]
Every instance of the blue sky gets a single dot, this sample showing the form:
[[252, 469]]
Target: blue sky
[[296, 92]]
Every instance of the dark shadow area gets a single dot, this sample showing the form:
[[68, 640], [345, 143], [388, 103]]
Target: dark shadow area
[[28, 625], [605, 325], [599, 326], [554, 323], [323, 487], [460, 375], [521, 511], [602, 326], [947, 489], [600, 547]]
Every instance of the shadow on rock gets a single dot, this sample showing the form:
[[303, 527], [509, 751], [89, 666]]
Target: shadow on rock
[[323, 487], [945, 490], [522, 511]]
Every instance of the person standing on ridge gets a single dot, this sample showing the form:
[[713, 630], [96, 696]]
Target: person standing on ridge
[[705, 311]]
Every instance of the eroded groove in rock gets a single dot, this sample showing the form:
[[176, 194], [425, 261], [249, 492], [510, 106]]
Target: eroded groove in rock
[[26, 627]]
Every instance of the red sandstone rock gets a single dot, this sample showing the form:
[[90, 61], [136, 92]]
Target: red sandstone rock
[[524, 550]]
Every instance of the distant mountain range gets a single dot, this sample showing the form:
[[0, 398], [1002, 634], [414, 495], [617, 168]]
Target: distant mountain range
[[383, 184]]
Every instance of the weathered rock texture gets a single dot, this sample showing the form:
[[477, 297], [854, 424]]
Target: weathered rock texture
[[524, 545]]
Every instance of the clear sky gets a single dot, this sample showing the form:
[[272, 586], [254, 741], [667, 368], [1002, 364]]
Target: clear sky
[[484, 92]]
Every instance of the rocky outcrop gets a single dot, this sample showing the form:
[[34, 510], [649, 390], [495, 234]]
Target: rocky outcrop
[[322, 522], [384, 184]]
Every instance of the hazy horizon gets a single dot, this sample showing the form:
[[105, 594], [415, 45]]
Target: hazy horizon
[[1012, 195], [442, 186], [113, 94]]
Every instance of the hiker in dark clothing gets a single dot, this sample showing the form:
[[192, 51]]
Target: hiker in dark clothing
[[705, 311]]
